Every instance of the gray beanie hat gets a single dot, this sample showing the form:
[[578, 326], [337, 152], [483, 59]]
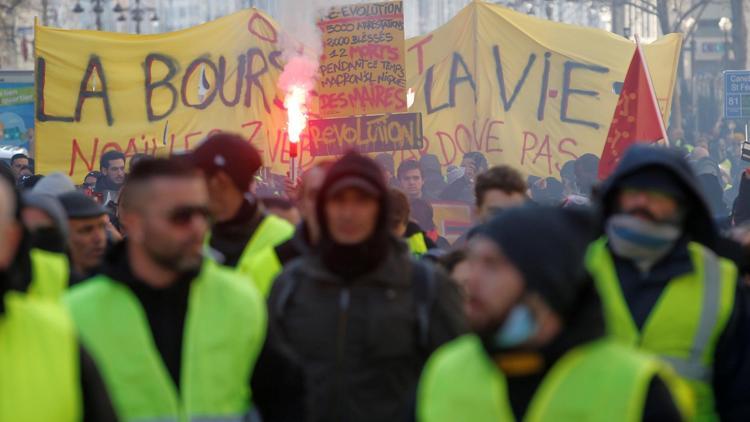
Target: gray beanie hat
[[54, 184], [51, 206]]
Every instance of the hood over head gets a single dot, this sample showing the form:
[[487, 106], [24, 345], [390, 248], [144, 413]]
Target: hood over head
[[357, 171], [668, 168]]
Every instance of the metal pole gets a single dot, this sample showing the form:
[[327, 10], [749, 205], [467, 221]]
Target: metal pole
[[137, 16], [693, 94], [98, 12]]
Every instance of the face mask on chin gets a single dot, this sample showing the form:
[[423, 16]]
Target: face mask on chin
[[518, 328]]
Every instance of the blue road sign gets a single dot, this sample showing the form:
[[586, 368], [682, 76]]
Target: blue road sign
[[737, 94]]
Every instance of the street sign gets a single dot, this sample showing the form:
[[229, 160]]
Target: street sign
[[736, 94]]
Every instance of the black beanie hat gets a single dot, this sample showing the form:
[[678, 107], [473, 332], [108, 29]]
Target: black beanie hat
[[547, 245]]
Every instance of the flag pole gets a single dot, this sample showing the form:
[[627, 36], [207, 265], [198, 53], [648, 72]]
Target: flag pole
[[651, 90]]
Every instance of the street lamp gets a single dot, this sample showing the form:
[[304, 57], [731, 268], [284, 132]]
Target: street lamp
[[137, 14], [725, 25], [687, 28], [97, 9]]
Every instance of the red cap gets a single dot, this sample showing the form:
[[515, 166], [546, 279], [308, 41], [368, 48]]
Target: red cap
[[231, 154]]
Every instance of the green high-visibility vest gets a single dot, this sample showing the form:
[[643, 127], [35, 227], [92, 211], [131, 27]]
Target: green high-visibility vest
[[598, 381], [272, 231], [262, 270], [417, 244], [263, 267], [224, 331], [50, 273], [39, 362], [686, 321]]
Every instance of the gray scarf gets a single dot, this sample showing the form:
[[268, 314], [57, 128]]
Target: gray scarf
[[641, 241]]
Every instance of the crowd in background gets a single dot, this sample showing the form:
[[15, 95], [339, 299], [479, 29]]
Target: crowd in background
[[369, 309]]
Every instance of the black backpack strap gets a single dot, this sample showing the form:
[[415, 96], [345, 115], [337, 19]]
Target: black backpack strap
[[423, 283]]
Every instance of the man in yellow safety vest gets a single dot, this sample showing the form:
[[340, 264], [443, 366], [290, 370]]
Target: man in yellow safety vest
[[664, 290], [241, 229], [46, 375], [538, 352], [177, 336]]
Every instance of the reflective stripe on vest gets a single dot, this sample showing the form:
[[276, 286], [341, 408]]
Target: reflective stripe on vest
[[39, 362], [686, 321], [596, 381], [50, 273], [693, 367], [218, 352]]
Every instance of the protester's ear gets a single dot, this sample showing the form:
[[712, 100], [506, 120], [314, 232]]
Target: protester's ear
[[12, 234], [133, 223]]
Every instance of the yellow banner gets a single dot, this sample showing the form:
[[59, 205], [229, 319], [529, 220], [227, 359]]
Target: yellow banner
[[156, 94], [523, 91]]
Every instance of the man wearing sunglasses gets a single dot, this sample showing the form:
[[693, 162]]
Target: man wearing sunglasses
[[241, 229], [663, 289], [178, 334]]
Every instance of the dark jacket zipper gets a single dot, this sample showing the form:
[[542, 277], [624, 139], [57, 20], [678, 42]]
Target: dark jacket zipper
[[344, 302]]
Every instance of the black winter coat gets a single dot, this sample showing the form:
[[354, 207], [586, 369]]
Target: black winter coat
[[358, 339]]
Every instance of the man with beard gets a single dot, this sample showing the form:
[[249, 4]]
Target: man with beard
[[360, 315], [664, 291], [177, 335], [112, 166], [539, 352]]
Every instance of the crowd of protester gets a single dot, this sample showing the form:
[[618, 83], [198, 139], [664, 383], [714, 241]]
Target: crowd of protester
[[202, 286]]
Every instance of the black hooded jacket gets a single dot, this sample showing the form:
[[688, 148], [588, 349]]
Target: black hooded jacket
[[349, 314], [731, 380], [299, 244]]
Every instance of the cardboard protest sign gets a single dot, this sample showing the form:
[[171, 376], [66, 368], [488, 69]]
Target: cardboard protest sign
[[362, 69], [366, 134]]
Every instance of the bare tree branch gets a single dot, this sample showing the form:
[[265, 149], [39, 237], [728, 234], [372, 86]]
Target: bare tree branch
[[701, 4], [645, 7]]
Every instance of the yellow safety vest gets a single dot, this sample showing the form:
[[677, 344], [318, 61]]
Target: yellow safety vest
[[272, 231], [417, 244], [263, 267], [50, 273], [39, 362], [598, 381], [686, 322], [224, 331]]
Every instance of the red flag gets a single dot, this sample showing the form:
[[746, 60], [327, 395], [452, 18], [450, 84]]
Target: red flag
[[637, 117]]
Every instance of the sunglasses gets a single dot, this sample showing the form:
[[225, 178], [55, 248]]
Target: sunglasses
[[183, 216]]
